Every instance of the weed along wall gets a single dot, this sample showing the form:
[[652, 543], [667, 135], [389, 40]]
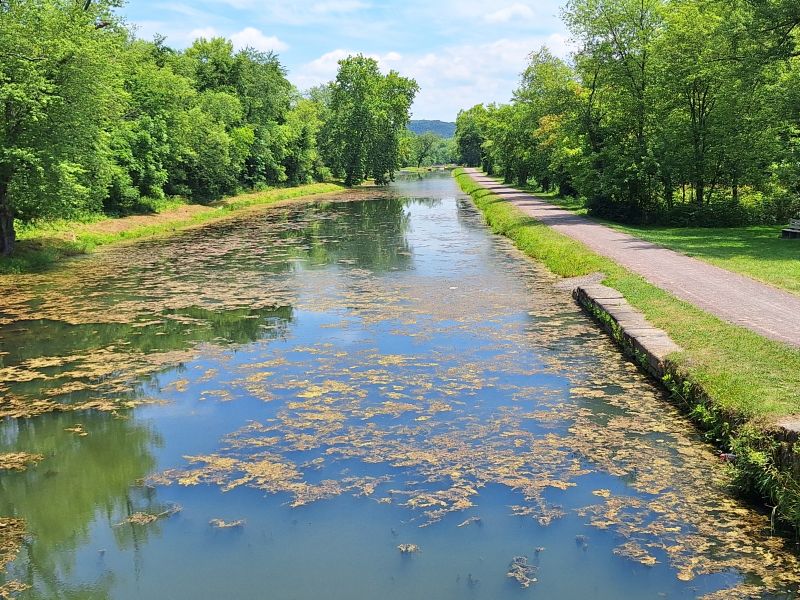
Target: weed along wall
[[281, 409], [762, 448], [648, 345]]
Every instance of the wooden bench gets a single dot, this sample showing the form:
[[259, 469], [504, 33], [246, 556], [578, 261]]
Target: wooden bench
[[792, 232]]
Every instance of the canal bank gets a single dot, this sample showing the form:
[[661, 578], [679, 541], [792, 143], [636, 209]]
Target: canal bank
[[318, 387], [740, 387], [44, 245]]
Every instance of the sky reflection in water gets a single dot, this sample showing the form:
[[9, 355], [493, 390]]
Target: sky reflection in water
[[346, 378]]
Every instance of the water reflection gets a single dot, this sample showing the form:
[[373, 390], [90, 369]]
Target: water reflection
[[82, 479], [52, 365], [344, 379]]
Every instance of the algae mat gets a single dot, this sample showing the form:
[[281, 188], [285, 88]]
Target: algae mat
[[373, 398]]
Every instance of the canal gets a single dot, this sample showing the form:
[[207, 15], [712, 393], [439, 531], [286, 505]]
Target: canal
[[370, 397]]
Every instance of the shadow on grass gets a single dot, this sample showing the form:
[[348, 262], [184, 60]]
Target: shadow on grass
[[762, 243], [40, 255]]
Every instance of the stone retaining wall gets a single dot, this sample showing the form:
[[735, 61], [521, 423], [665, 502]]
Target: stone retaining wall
[[648, 345], [650, 348]]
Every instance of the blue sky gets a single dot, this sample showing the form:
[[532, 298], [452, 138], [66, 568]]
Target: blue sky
[[461, 52]]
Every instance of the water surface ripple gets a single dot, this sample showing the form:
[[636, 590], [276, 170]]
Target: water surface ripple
[[354, 400]]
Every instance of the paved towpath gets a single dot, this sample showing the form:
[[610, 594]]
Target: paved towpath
[[732, 297]]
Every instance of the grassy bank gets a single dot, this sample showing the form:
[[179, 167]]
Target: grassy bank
[[738, 384], [43, 244], [757, 251]]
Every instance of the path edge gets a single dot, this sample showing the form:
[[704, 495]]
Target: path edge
[[739, 440], [648, 346]]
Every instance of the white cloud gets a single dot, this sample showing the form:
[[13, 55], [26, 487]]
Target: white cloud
[[324, 68], [204, 32], [516, 12], [338, 7], [326, 65], [250, 37], [461, 76]]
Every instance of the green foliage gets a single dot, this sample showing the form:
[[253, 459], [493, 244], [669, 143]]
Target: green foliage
[[368, 113], [674, 111], [60, 90], [428, 149], [301, 162], [470, 137], [757, 472], [97, 121]]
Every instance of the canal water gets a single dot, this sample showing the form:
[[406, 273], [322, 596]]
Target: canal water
[[370, 397]]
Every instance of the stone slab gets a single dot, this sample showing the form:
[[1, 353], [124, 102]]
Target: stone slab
[[650, 344]]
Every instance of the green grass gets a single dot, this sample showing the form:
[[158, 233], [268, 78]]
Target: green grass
[[734, 383], [757, 251], [42, 245], [741, 371]]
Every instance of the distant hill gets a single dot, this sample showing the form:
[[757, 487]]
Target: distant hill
[[441, 128]]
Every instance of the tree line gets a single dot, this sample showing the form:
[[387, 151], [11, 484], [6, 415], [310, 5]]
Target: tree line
[[95, 120], [427, 149], [671, 111]]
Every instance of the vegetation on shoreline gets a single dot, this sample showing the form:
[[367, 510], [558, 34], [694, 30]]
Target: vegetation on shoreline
[[748, 381], [426, 150], [97, 122], [683, 113], [42, 245]]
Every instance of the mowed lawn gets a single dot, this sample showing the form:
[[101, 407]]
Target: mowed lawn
[[755, 251]]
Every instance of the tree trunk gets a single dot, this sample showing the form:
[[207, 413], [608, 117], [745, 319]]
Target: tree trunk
[[8, 236], [669, 191]]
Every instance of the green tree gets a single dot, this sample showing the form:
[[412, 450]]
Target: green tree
[[247, 95], [548, 93], [423, 147], [509, 138], [60, 87], [469, 137], [445, 152], [149, 141], [395, 95], [368, 113], [616, 64], [775, 25], [681, 111], [301, 162], [266, 96]]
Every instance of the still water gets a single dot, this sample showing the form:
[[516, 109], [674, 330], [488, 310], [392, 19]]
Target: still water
[[275, 407]]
